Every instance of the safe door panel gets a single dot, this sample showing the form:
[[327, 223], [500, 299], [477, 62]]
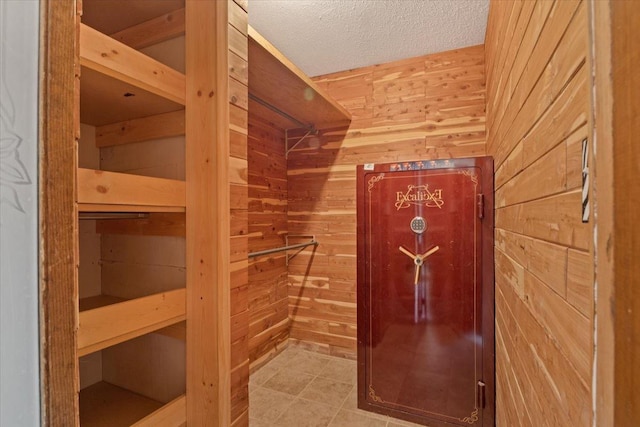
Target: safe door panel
[[420, 293]]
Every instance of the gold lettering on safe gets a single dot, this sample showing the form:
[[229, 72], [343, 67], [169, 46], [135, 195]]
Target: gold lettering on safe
[[419, 195]]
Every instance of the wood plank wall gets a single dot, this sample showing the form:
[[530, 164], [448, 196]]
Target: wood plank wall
[[238, 177], [538, 107], [268, 280], [420, 108]]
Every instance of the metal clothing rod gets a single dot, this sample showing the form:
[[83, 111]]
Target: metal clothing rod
[[112, 215], [310, 128], [283, 248]]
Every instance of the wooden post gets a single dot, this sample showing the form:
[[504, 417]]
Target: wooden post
[[59, 131], [625, 60], [207, 214]]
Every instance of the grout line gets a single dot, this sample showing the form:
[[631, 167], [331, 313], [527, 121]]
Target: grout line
[[314, 377]]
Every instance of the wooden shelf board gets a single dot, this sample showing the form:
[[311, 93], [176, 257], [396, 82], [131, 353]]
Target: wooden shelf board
[[163, 125], [105, 326], [103, 100], [173, 413], [110, 207], [277, 81], [101, 53], [154, 224], [96, 187], [106, 405]]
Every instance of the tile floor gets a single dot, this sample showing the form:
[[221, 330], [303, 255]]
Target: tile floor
[[299, 388]]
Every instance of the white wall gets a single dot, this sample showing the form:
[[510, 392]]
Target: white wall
[[19, 358]]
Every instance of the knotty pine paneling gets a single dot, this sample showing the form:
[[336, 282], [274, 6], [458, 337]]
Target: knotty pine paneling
[[419, 108], [268, 295], [537, 115]]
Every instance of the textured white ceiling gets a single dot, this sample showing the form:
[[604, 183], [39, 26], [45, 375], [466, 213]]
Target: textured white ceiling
[[324, 36]]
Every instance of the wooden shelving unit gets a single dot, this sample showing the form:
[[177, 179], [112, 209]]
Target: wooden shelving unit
[[128, 97]]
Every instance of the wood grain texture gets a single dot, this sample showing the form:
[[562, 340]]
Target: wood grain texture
[[103, 187], [626, 155], [105, 55], [277, 81], [268, 300], [59, 132], [605, 252], [155, 224], [239, 216], [153, 31], [538, 107], [419, 108], [112, 16], [112, 324], [238, 17], [207, 232], [143, 129]]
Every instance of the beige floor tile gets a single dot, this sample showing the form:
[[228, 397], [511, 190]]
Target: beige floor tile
[[351, 402], [346, 418], [342, 370], [267, 405], [253, 422], [327, 391], [306, 413], [393, 422], [279, 361], [290, 382], [307, 362], [263, 374]]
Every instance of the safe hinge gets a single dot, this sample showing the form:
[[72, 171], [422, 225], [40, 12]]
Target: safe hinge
[[480, 206], [481, 396]]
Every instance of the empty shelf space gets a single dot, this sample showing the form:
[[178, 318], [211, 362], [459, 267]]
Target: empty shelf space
[[177, 331], [108, 56], [111, 324], [276, 81], [105, 100], [98, 301], [102, 191], [110, 17], [107, 405]]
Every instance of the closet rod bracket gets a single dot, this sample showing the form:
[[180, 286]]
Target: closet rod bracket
[[310, 132]]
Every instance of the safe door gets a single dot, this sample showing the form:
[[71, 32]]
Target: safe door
[[426, 291]]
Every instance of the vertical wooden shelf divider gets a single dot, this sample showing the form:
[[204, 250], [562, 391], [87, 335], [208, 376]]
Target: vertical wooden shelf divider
[[207, 214]]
